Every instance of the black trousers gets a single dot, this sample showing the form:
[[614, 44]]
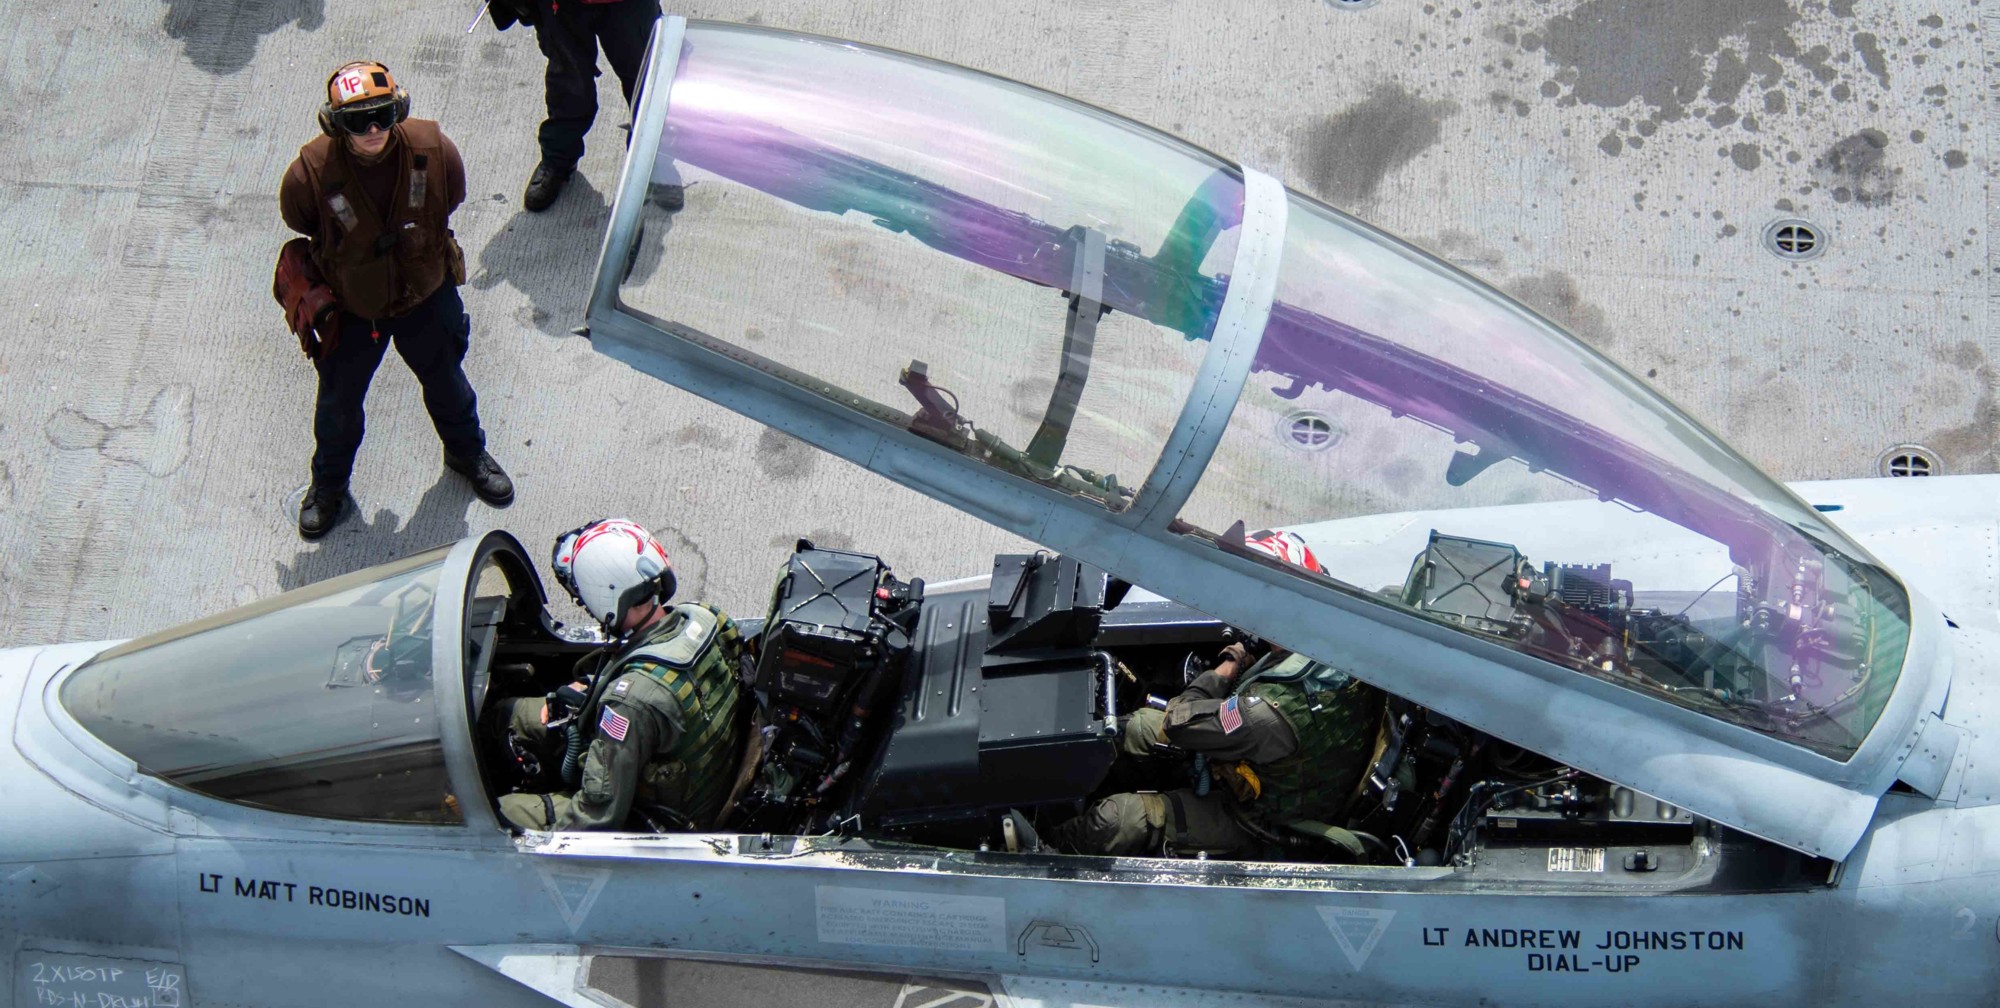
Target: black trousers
[[432, 339], [570, 33]]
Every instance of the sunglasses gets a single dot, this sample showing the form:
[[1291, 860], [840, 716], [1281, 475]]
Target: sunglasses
[[358, 120]]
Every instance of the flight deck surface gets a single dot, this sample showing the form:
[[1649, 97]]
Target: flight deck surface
[[1612, 164]]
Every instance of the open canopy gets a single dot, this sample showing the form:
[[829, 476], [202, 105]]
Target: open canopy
[[1134, 351]]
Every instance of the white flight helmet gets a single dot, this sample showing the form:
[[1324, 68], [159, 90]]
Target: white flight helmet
[[1286, 546], [611, 565]]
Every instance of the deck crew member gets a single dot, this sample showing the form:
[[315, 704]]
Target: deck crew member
[[374, 195], [570, 32], [655, 740]]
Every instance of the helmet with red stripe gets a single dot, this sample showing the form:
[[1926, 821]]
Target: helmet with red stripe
[[611, 565], [1286, 546]]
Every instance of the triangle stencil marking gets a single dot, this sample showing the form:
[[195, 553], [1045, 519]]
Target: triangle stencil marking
[[1357, 930], [574, 891]]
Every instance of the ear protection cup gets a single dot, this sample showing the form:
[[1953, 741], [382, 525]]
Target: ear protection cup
[[659, 588], [399, 97], [660, 584]]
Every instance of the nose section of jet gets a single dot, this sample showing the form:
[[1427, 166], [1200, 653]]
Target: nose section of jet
[[81, 852], [59, 802]]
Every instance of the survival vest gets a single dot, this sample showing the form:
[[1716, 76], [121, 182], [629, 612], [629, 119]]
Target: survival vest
[[384, 261], [693, 653], [1334, 716]]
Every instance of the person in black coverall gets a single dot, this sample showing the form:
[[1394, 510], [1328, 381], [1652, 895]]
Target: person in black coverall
[[570, 32]]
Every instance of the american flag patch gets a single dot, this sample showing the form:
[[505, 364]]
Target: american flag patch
[[1232, 718], [613, 724]]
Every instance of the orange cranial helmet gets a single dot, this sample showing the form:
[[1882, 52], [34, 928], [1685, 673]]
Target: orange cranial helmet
[[362, 95]]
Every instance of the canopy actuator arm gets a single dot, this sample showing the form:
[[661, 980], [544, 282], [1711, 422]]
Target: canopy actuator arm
[[1086, 306]]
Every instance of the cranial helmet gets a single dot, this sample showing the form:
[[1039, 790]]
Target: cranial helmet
[[1286, 546], [611, 565], [361, 94]]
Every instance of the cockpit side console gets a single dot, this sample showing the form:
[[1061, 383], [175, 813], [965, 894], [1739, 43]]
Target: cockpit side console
[[1004, 704], [834, 642], [902, 708], [821, 633]]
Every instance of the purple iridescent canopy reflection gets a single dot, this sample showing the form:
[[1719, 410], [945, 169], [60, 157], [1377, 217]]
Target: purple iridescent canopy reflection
[[1299, 347], [746, 114]]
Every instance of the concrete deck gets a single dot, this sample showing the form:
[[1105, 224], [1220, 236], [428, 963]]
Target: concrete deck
[[1613, 163]]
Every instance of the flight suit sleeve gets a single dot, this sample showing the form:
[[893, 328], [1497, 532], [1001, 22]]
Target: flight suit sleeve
[[296, 203], [1252, 731], [1209, 686], [628, 732]]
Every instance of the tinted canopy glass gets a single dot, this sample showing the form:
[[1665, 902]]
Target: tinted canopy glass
[[317, 702], [1520, 486], [1038, 285], [1007, 272]]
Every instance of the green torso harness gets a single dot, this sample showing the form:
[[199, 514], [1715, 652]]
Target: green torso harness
[[693, 654], [1334, 716]]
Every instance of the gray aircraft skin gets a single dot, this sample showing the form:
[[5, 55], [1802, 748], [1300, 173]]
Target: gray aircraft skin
[[1785, 793]]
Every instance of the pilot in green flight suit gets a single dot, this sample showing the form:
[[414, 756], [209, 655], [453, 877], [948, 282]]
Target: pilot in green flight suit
[[1287, 741], [660, 731]]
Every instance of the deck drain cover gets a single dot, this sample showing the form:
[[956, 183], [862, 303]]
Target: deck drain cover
[[1910, 460], [1794, 239], [1310, 430]]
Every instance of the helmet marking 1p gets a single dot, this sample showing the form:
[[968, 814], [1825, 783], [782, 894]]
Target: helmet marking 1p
[[361, 94]]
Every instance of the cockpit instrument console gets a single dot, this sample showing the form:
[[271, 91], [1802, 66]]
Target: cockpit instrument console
[[1708, 649]]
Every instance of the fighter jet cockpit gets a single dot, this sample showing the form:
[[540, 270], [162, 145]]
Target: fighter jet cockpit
[[980, 714], [1576, 603], [1133, 351]]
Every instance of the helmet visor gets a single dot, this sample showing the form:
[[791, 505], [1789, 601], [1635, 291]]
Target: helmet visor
[[358, 120]]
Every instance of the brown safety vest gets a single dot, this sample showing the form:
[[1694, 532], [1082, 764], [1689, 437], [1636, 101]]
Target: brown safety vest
[[382, 262]]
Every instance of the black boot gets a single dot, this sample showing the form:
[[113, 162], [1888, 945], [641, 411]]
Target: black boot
[[488, 480], [319, 509], [545, 185]]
